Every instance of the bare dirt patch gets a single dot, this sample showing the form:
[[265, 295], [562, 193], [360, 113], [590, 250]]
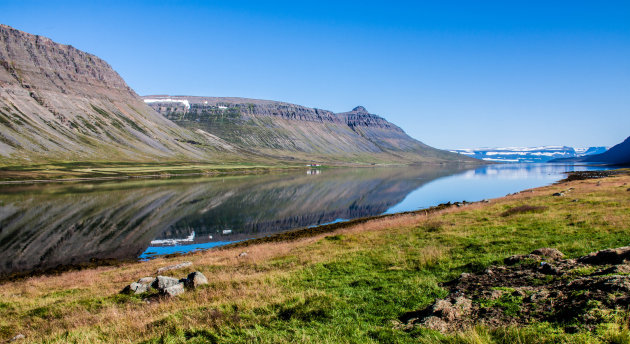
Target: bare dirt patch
[[541, 286]]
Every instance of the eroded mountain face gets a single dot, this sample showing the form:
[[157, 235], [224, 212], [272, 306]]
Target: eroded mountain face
[[57, 102], [280, 129]]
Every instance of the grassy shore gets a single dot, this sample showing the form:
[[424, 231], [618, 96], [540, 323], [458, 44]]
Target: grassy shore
[[346, 286], [95, 170], [73, 171]]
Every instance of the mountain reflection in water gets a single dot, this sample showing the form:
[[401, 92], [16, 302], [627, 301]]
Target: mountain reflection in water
[[45, 226]]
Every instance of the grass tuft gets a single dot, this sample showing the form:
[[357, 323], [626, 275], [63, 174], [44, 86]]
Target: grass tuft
[[523, 209]]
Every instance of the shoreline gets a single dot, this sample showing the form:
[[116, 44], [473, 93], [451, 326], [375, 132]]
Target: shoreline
[[227, 171], [148, 176], [85, 172], [285, 236]]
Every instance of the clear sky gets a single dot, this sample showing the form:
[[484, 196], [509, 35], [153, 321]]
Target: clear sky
[[453, 74]]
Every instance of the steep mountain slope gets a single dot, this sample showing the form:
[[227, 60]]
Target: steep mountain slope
[[287, 130], [618, 154], [57, 102]]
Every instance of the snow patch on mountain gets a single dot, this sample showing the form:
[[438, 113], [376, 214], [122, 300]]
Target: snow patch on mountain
[[168, 100]]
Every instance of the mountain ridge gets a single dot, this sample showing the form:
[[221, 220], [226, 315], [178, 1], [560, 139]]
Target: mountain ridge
[[280, 128], [58, 103]]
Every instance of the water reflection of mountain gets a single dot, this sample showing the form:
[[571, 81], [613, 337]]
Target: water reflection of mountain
[[46, 226], [275, 204], [522, 170]]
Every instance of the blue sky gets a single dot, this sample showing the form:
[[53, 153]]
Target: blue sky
[[452, 74]]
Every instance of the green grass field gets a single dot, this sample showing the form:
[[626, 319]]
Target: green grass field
[[348, 286]]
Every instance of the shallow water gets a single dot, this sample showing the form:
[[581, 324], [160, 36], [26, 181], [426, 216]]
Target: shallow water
[[44, 226]]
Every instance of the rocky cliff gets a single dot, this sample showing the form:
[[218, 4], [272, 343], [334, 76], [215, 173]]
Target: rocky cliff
[[281, 129], [57, 102]]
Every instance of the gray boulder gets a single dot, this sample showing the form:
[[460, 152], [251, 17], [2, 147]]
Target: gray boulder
[[195, 279], [163, 282], [173, 290], [175, 267], [136, 288], [146, 280]]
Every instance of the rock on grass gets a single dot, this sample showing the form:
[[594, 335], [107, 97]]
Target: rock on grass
[[195, 279], [173, 290], [136, 288], [174, 267], [162, 282], [146, 280]]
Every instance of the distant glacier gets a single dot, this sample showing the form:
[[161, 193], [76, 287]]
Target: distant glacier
[[528, 154]]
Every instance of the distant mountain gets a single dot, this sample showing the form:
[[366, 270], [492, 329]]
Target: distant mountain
[[590, 151], [617, 155], [279, 129], [528, 154]]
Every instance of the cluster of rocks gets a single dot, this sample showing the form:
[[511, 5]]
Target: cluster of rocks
[[562, 193], [167, 286], [540, 286], [584, 175]]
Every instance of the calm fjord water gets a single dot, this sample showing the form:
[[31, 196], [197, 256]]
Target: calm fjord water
[[43, 226]]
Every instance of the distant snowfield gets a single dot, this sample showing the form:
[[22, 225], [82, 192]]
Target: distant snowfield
[[528, 154], [168, 100]]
